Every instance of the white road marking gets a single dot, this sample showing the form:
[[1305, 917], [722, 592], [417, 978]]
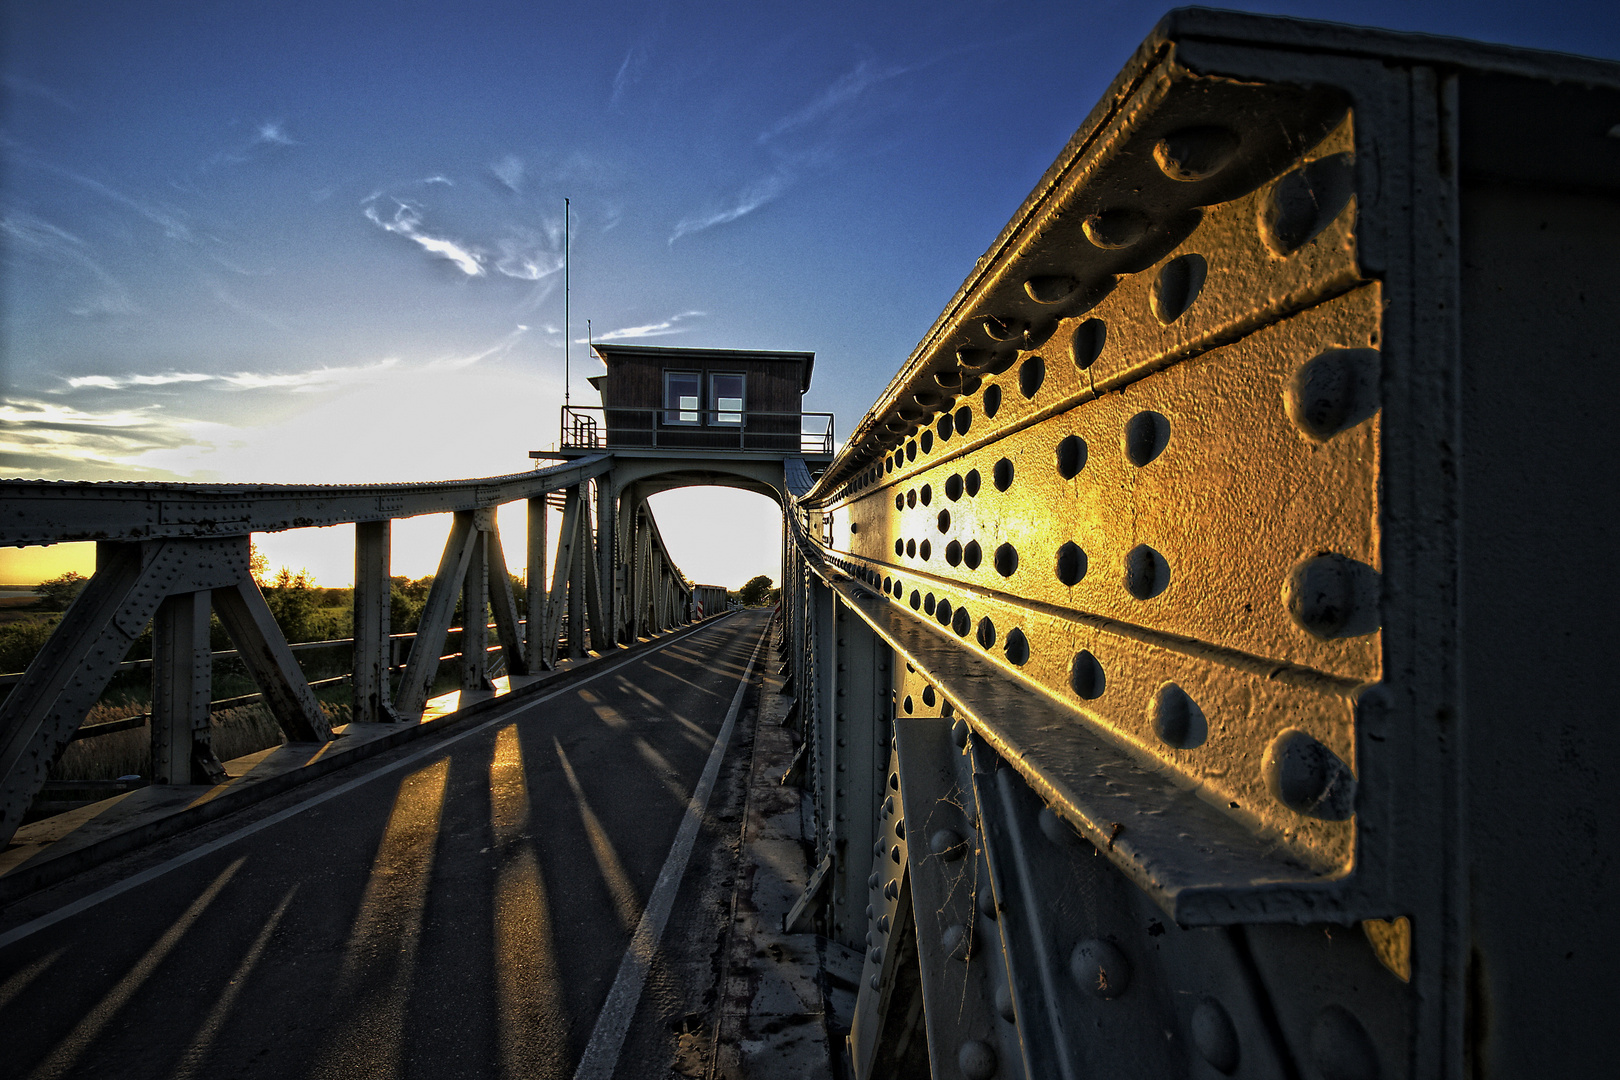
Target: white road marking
[[613, 1022]]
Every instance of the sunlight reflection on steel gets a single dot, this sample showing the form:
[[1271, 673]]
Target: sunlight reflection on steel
[[528, 982], [68, 1051], [618, 882]]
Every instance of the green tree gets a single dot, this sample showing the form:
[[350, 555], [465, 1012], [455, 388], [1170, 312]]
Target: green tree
[[294, 600], [755, 591], [57, 593]]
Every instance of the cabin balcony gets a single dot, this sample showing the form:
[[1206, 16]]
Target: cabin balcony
[[588, 429]]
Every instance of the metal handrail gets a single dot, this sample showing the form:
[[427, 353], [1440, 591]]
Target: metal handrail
[[598, 427]]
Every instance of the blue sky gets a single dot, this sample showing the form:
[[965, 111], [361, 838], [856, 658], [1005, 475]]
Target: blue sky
[[321, 241]]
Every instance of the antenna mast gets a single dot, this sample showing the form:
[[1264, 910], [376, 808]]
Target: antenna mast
[[566, 283]]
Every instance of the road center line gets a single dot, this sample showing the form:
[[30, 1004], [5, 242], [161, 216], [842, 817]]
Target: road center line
[[85, 903], [613, 1022]]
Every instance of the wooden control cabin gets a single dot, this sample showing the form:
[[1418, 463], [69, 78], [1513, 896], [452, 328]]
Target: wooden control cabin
[[695, 399]]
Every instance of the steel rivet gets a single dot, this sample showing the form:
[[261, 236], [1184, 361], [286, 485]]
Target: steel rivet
[[956, 942], [876, 955], [1087, 345], [1031, 374], [1308, 778], [1071, 456], [1215, 1036], [1002, 474], [992, 401], [1177, 287], [1017, 647], [970, 482], [948, 845], [972, 554], [1004, 1004], [1177, 719], [1195, 153], [1050, 289], [998, 329], [1331, 596], [1086, 676], [1333, 392], [1304, 202], [1006, 560], [1146, 436], [1071, 564], [976, 1060], [1114, 229], [1147, 574], [894, 853], [1100, 967]]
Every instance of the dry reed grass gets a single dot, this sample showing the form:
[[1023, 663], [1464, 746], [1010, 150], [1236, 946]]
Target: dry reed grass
[[237, 732]]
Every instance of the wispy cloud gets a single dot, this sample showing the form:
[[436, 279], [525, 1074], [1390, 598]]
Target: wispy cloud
[[296, 381], [843, 91], [55, 441], [273, 133], [500, 348], [407, 221], [27, 233], [526, 255], [243, 308], [629, 72], [762, 191], [509, 171], [110, 382], [671, 325]]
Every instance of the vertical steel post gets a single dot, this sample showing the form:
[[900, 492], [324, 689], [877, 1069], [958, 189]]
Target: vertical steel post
[[607, 527], [860, 752], [181, 670], [475, 611], [577, 571], [534, 636], [372, 696]]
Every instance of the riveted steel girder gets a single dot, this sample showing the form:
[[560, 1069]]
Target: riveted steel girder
[[1221, 505]]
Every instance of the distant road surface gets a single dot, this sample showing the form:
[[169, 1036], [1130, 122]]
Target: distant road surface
[[456, 908]]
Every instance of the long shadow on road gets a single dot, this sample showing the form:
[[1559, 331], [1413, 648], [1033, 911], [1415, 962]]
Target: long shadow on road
[[461, 914]]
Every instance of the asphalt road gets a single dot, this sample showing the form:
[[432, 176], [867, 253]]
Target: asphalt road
[[448, 910]]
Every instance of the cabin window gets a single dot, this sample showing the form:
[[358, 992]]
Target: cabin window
[[682, 394], [726, 398]]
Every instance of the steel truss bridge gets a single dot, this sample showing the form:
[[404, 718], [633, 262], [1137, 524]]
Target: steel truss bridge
[[1201, 649]]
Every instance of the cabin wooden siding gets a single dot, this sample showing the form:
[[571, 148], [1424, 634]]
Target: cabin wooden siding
[[633, 398], [638, 382]]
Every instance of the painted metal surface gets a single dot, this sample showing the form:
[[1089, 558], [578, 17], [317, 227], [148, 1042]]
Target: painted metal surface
[[1216, 510], [194, 559]]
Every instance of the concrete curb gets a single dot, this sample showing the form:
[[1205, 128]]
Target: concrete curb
[[46, 869]]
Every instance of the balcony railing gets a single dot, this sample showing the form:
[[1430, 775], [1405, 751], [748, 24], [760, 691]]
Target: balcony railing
[[595, 427]]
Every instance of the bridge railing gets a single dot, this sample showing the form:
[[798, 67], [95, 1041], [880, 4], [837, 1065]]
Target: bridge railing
[[593, 427], [1175, 642], [168, 555]]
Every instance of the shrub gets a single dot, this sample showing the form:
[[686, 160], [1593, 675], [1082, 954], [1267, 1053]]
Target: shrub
[[57, 593], [20, 642]]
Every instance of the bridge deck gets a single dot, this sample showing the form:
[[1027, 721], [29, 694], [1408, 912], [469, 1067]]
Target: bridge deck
[[462, 908]]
